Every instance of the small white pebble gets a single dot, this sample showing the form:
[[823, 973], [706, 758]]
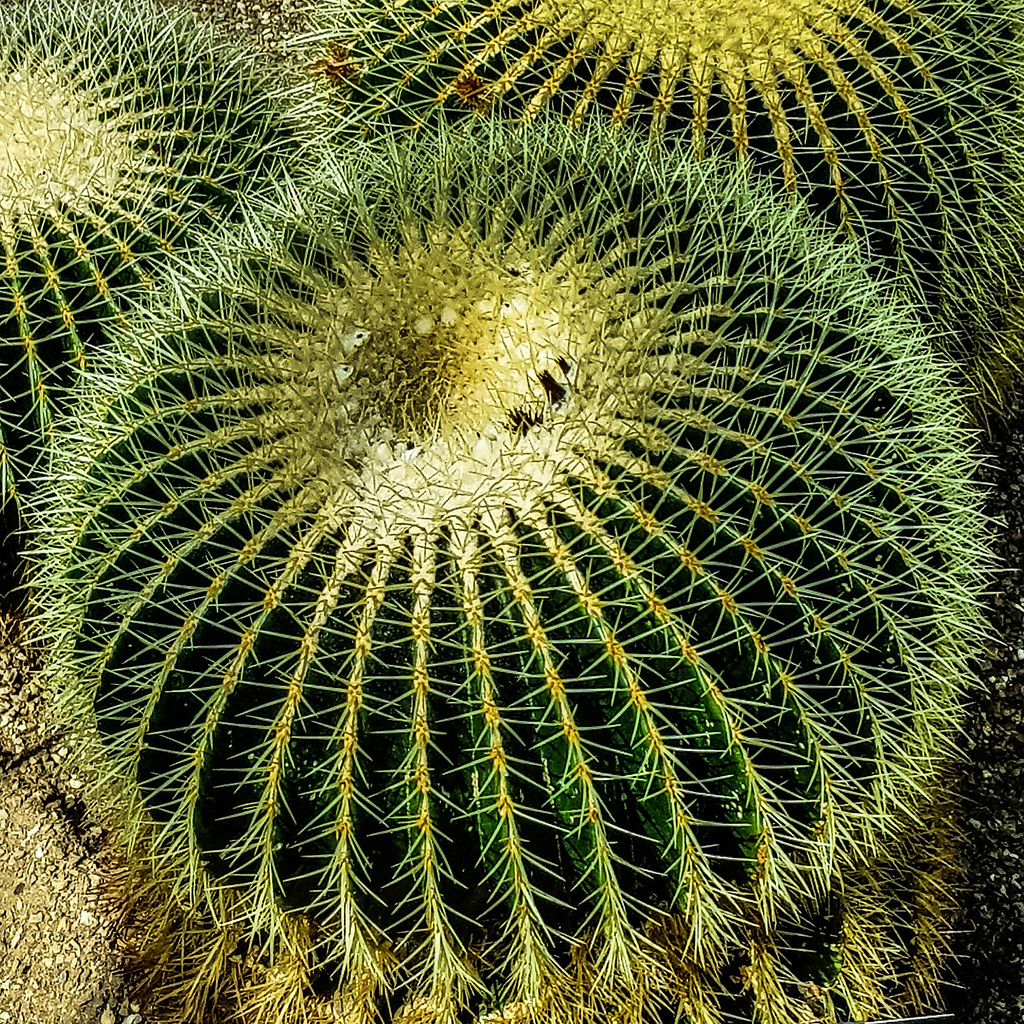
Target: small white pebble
[[424, 325], [448, 316]]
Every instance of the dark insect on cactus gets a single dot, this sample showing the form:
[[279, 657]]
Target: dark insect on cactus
[[120, 128], [527, 588], [892, 118]]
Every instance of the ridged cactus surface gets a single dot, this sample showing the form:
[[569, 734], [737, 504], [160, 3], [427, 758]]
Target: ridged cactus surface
[[890, 117], [119, 126], [538, 547]]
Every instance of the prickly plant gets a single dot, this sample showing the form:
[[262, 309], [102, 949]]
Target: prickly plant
[[889, 117], [533, 573], [120, 124]]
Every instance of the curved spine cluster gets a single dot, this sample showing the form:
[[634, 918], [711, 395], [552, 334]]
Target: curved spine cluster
[[119, 128], [536, 545]]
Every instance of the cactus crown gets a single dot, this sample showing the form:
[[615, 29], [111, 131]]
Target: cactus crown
[[116, 111], [521, 524], [429, 359]]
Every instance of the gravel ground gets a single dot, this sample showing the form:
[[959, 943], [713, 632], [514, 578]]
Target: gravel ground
[[58, 935], [267, 23], [991, 943], [60, 930]]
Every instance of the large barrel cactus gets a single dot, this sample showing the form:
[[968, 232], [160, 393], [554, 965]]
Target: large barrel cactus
[[534, 576], [120, 126], [890, 117]]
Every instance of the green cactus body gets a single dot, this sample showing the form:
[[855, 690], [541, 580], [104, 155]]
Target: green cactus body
[[889, 117], [513, 557], [120, 128]]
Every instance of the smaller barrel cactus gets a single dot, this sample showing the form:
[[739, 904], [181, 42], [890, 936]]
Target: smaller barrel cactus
[[120, 125], [891, 118], [543, 572]]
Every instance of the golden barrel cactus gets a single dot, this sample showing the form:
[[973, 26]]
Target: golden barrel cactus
[[511, 589]]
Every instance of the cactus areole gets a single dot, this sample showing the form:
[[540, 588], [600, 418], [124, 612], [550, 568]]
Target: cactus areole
[[522, 558]]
